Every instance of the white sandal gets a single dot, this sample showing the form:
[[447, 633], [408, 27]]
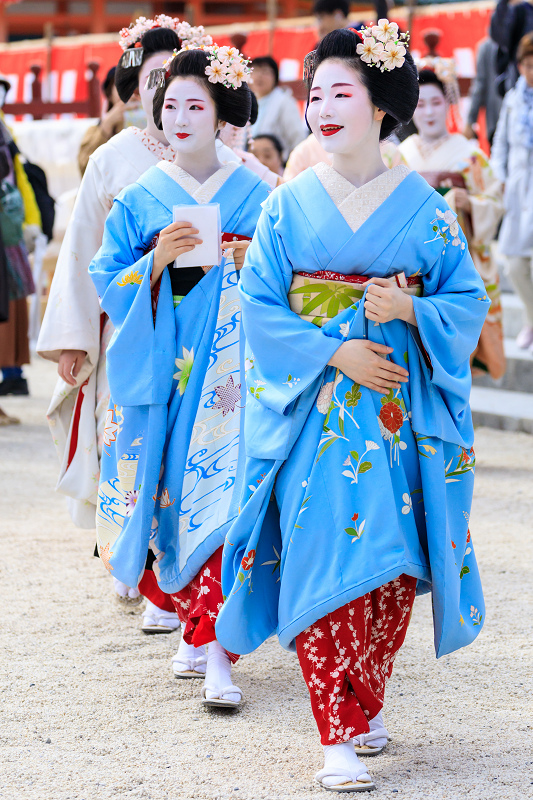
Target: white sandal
[[220, 701], [189, 667], [363, 746], [355, 781]]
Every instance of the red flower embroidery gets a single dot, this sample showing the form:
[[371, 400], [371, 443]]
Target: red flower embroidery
[[391, 417], [468, 536], [454, 545], [355, 517], [248, 561]]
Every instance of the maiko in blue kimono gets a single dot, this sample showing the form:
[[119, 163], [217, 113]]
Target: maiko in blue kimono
[[150, 363], [367, 487]]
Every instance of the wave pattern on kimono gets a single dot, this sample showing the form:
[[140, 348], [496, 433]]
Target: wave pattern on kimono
[[459, 156], [171, 442], [338, 478], [73, 319]]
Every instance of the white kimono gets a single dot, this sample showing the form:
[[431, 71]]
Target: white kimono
[[73, 319]]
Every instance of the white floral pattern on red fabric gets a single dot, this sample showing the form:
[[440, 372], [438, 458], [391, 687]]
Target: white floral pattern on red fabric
[[347, 657], [162, 151]]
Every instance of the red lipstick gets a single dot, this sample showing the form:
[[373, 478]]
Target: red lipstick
[[329, 130], [182, 135]]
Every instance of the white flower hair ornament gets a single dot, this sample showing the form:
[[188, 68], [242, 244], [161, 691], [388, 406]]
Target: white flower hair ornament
[[130, 38], [226, 65], [383, 46]]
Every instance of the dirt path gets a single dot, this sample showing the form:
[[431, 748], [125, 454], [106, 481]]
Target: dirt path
[[90, 709]]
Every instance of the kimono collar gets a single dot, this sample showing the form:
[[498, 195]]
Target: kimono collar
[[231, 194], [375, 234]]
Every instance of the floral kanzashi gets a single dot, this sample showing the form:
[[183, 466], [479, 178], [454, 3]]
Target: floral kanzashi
[[131, 278], [184, 366], [355, 530], [110, 428], [228, 396], [383, 46]]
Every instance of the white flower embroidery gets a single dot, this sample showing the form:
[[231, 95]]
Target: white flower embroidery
[[323, 400], [371, 445], [344, 328], [408, 503]]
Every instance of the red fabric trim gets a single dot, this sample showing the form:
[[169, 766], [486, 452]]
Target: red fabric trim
[[235, 237], [326, 275], [149, 587]]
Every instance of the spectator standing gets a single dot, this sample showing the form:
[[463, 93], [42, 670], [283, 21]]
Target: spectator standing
[[509, 24], [512, 161], [269, 151], [330, 15], [278, 110], [484, 92]]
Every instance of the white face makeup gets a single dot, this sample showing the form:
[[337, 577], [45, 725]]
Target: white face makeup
[[147, 95], [189, 116], [340, 112], [430, 114]]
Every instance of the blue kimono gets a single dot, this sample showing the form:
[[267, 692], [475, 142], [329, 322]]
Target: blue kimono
[[346, 489], [169, 473]]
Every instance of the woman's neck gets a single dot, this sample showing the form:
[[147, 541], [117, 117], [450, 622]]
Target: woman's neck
[[200, 164], [151, 130], [361, 166]]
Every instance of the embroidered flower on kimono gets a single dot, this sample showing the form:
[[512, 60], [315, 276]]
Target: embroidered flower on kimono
[[355, 517], [131, 279], [164, 500], [344, 328], [324, 397], [105, 555], [391, 417], [110, 428], [228, 396], [184, 366], [131, 501], [408, 503], [248, 561]]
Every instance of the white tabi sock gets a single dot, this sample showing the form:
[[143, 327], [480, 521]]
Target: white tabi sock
[[218, 674], [342, 757], [125, 591], [169, 618], [186, 657], [375, 725]]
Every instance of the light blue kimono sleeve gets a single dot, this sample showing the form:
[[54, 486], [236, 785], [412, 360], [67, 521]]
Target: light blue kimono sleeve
[[140, 358], [450, 316], [286, 353]]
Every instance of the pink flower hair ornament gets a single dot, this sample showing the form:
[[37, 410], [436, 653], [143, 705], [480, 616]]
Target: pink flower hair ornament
[[383, 46], [226, 65], [130, 39]]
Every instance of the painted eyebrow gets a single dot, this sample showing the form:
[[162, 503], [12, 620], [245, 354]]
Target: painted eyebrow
[[333, 86], [189, 99]]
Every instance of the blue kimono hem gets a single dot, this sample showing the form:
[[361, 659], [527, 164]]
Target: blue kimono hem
[[179, 579], [287, 635]]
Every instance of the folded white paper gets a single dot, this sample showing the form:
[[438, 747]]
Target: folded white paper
[[206, 219]]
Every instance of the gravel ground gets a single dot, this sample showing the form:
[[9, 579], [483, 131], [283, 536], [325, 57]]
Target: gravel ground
[[90, 709]]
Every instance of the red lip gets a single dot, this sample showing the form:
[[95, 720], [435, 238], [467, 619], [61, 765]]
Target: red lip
[[329, 130], [183, 135]]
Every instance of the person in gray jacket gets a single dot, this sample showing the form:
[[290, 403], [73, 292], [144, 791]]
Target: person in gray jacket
[[484, 93], [512, 162]]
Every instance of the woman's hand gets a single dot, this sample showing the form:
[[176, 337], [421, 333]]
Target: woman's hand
[[174, 240], [70, 363], [365, 363], [239, 251], [385, 301], [461, 200]]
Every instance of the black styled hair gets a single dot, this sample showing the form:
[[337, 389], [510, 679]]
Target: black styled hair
[[395, 92], [156, 40], [330, 6], [232, 105], [109, 82], [427, 76], [254, 112], [267, 61], [271, 138]]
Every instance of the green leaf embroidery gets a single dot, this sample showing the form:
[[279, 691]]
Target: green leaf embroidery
[[354, 454], [365, 466], [464, 571], [240, 576], [406, 357], [352, 532], [326, 445], [353, 395]]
